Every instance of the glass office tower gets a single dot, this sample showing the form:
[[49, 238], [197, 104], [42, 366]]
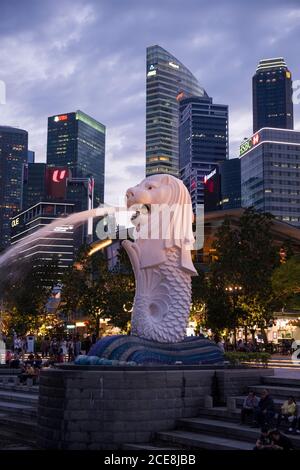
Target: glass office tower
[[34, 184], [60, 243], [270, 173], [167, 81], [13, 156], [203, 142], [230, 176], [272, 95], [77, 142]]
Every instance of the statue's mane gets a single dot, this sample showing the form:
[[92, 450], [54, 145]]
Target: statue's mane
[[178, 233]]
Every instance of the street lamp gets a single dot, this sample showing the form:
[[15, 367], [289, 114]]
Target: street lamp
[[234, 291]]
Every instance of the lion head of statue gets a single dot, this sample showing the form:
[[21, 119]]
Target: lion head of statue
[[163, 218]]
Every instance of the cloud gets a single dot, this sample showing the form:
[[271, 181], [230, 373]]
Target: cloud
[[90, 55]]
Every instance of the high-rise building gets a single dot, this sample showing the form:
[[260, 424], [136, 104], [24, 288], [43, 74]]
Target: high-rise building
[[222, 187], [30, 156], [167, 80], [272, 95], [13, 156], [270, 173], [203, 142], [34, 189], [77, 142], [59, 244], [230, 176]]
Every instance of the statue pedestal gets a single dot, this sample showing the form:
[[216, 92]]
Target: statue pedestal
[[102, 407], [194, 350]]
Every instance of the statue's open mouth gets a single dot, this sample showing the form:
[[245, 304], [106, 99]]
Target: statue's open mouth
[[143, 209]]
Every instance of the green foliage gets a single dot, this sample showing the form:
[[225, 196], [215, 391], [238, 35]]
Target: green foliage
[[236, 358], [245, 260], [286, 278], [26, 293], [89, 287]]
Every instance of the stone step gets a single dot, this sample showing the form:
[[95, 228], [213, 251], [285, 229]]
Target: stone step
[[281, 381], [33, 389], [27, 427], [278, 391], [18, 409], [232, 430], [149, 447], [197, 440], [7, 371], [221, 413], [19, 397], [11, 439]]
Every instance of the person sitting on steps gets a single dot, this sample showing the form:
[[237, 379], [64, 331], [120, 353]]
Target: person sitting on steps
[[249, 406], [265, 412], [288, 412]]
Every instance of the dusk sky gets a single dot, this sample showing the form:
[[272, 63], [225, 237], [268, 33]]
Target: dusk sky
[[60, 56]]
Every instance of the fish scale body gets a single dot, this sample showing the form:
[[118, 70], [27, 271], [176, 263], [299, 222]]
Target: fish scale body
[[162, 301]]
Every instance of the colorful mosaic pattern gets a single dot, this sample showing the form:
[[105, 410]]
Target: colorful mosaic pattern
[[121, 348]]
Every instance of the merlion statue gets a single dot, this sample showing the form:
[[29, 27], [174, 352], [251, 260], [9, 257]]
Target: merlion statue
[[161, 258], [162, 264]]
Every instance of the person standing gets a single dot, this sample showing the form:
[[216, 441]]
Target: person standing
[[77, 347], [45, 347]]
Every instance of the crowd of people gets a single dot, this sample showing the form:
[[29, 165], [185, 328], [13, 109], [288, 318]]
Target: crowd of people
[[262, 412], [52, 350]]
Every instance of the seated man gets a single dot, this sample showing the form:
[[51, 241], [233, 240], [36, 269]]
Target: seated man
[[15, 362], [38, 362], [288, 412], [264, 441], [28, 373], [249, 406], [280, 441], [265, 411]]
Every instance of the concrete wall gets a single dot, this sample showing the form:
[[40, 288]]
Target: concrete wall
[[97, 408]]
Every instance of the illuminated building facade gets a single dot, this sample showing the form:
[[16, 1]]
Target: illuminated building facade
[[272, 95], [222, 187], [13, 156], [167, 81], [203, 142], [77, 142], [270, 173], [59, 244]]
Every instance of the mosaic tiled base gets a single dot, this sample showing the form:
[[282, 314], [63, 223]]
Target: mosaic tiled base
[[135, 350]]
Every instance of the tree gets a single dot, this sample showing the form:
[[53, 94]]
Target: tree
[[25, 294], [89, 287], [286, 282], [240, 282]]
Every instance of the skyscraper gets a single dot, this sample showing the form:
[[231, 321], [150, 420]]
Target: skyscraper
[[13, 156], [31, 156], [272, 95], [33, 184], [270, 173], [77, 141], [167, 81], [203, 142], [222, 187]]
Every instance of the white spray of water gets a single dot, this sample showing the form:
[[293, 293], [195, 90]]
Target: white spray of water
[[72, 220]]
